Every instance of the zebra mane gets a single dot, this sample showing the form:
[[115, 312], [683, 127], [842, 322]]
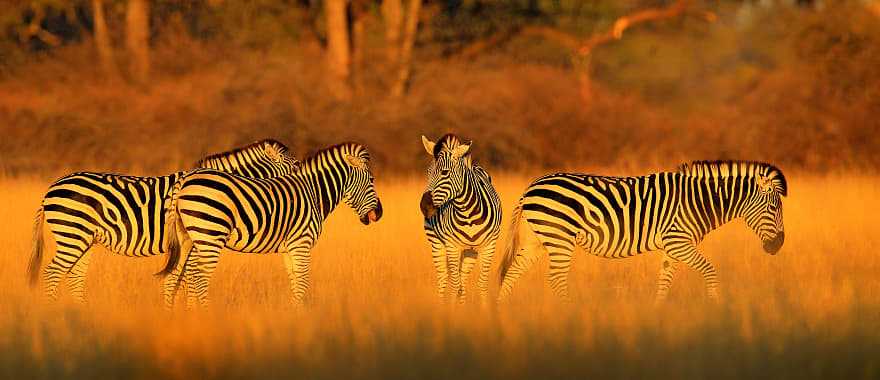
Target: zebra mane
[[732, 168], [448, 140], [259, 146], [354, 148]]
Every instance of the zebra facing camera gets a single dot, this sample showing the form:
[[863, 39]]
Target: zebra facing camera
[[427, 205]]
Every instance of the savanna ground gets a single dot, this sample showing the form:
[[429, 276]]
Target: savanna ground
[[809, 312]]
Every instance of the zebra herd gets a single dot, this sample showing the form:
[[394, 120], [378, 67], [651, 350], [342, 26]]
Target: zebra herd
[[260, 199]]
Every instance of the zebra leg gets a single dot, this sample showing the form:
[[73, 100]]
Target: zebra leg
[[485, 254], [665, 277], [202, 264], [528, 254], [453, 259], [468, 260], [688, 254], [438, 257], [172, 282], [76, 279], [297, 261], [560, 264], [70, 248]]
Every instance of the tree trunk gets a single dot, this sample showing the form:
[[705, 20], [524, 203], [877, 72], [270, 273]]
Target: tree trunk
[[358, 40], [338, 48], [137, 39], [392, 15], [409, 39], [102, 41]]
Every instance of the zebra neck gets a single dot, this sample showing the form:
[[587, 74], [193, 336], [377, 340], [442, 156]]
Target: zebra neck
[[327, 180], [469, 198], [716, 201]]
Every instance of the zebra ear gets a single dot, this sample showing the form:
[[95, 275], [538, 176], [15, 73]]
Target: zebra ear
[[356, 162], [429, 145], [764, 183], [462, 150], [273, 153]]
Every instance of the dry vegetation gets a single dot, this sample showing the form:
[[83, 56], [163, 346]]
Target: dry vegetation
[[809, 312]]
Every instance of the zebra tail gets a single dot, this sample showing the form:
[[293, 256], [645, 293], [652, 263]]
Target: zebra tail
[[33, 272], [512, 243], [171, 220]]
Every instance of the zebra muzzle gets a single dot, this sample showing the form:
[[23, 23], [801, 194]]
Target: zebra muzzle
[[373, 215], [427, 205], [773, 246]]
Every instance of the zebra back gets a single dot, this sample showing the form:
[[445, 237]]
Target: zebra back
[[263, 159]]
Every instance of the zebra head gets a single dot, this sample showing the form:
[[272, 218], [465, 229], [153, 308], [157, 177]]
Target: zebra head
[[763, 213], [279, 154], [446, 173], [359, 192]]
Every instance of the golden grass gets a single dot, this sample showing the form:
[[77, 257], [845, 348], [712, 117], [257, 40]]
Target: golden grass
[[811, 311]]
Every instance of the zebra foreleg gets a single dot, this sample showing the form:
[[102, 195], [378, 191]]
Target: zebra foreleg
[[469, 258], [485, 254], [438, 257], [688, 254], [453, 260], [665, 277]]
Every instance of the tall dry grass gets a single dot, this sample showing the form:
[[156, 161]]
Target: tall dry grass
[[811, 311]]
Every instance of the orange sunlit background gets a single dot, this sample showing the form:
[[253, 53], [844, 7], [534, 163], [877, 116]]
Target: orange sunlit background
[[147, 87]]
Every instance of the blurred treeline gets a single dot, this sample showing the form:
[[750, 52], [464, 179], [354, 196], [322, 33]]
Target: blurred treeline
[[148, 86]]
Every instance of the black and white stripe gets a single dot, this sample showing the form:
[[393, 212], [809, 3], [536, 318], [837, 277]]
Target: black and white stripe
[[212, 210], [125, 213], [462, 215], [620, 217]]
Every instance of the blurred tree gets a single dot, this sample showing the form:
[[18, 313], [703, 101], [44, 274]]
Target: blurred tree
[[409, 39], [137, 39], [102, 41], [338, 48], [392, 15]]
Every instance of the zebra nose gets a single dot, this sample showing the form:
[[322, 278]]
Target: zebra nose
[[376, 213], [427, 205], [773, 246]]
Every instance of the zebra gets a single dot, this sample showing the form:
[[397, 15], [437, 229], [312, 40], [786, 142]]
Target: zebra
[[619, 217], [211, 210], [123, 213], [462, 213]]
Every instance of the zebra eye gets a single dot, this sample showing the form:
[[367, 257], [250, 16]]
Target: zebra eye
[[444, 172]]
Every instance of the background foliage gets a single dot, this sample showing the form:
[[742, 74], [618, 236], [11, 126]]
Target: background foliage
[[792, 83]]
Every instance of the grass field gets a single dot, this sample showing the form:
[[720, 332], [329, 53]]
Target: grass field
[[812, 311]]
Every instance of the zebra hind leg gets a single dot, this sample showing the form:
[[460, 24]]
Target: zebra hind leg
[[528, 253], [200, 265], [171, 283], [664, 281], [76, 279], [297, 261], [70, 250], [560, 264]]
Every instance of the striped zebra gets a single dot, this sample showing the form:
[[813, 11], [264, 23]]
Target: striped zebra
[[618, 217], [462, 214], [211, 210], [125, 214]]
